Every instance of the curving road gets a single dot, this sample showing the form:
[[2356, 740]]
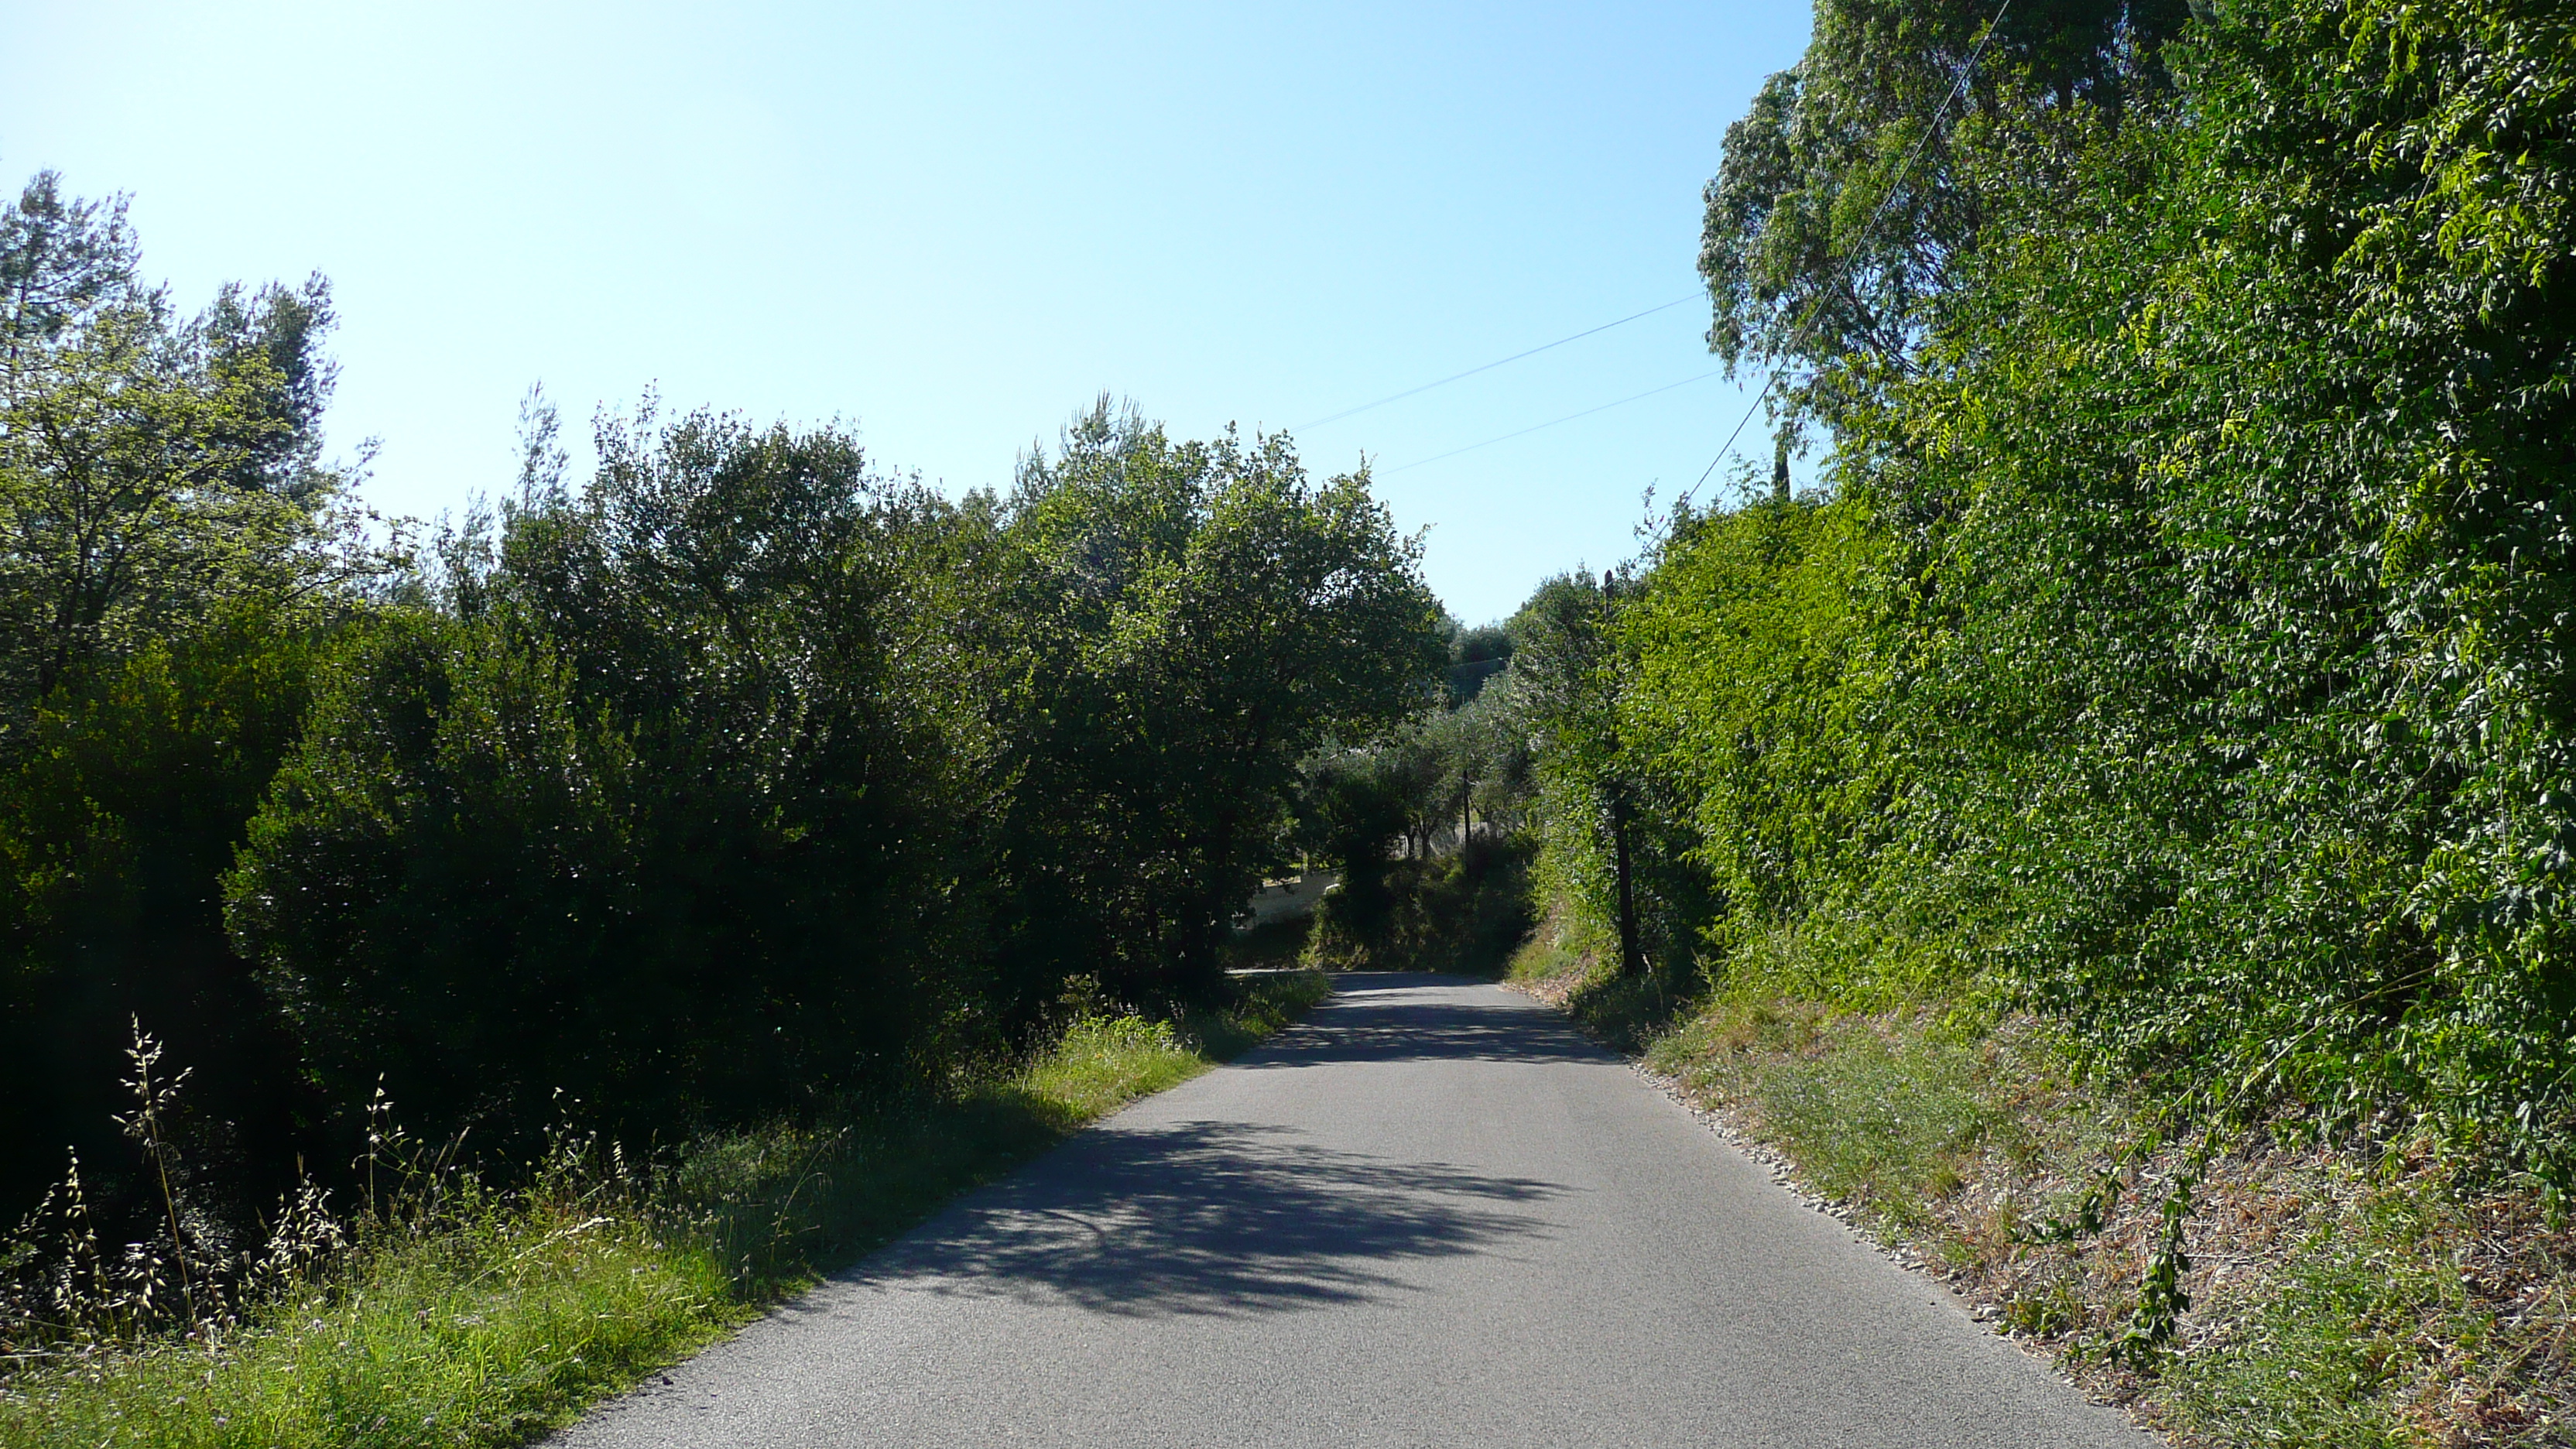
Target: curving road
[[1430, 1215]]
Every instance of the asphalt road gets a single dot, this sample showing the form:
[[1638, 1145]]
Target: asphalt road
[[1430, 1215]]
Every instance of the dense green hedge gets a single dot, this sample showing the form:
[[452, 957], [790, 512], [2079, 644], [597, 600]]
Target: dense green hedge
[[2181, 648]]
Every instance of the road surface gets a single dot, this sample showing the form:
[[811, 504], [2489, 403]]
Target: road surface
[[1430, 1215]]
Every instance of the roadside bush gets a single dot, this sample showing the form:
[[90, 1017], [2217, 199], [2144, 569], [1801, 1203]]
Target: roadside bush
[[645, 816]]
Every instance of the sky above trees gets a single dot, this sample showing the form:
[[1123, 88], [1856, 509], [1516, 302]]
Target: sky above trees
[[952, 226]]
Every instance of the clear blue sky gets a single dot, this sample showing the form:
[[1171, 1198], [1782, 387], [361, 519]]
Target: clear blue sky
[[952, 225]]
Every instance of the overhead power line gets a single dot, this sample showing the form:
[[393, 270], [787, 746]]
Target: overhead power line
[[1958, 88], [1490, 366], [1552, 422]]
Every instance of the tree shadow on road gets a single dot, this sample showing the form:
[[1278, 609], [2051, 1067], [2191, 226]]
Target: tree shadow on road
[[1390, 1017], [1209, 1218]]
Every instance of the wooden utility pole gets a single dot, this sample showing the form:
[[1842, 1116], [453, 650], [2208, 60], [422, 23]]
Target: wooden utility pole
[[1632, 954]]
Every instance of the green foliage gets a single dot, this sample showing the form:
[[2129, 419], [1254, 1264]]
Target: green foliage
[[1483, 745], [739, 782], [2181, 654], [150, 469], [1424, 826], [664, 795], [1597, 800], [1854, 200], [1565, 679], [1476, 657], [742, 795], [650, 815], [2178, 654], [2243, 553], [120, 806], [1353, 806], [1573, 963], [168, 550], [1757, 712], [1196, 618]]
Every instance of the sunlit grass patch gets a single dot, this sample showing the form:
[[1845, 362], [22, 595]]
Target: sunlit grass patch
[[2325, 1356], [1887, 1123], [1885, 1113], [2399, 1312], [488, 1331], [1103, 1061]]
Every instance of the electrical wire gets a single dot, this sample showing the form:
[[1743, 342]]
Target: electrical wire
[[1967, 69], [1552, 422], [1490, 366]]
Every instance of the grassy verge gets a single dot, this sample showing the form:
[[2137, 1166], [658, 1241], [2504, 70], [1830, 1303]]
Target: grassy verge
[[1560, 965], [464, 1317], [2339, 1294]]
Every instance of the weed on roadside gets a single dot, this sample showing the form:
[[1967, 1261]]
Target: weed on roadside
[[2395, 1311]]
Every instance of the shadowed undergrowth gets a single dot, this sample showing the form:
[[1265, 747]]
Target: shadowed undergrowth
[[1462, 913]]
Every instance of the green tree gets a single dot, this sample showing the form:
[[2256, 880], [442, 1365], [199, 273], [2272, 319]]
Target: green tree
[[1567, 667], [167, 557], [2182, 653], [63, 261], [149, 468], [120, 807], [1854, 193], [1353, 805], [664, 803], [1197, 618]]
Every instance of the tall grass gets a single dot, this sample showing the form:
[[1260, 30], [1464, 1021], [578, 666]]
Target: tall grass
[[450, 1312]]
